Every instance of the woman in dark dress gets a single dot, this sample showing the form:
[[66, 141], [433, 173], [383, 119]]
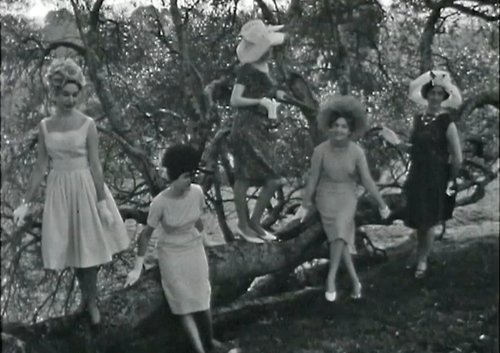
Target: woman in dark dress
[[435, 156], [253, 144]]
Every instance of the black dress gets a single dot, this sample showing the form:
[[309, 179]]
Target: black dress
[[425, 189]]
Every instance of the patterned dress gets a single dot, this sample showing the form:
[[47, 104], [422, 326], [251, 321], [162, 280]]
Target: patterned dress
[[252, 143], [72, 232], [425, 188], [181, 255]]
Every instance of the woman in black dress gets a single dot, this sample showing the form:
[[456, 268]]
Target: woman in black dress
[[435, 156]]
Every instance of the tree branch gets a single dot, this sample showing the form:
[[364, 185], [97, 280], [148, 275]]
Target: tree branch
[[475, 13]]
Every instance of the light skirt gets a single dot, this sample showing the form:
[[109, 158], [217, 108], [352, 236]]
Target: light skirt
[[185, 277], [72, 232], [336, 203]]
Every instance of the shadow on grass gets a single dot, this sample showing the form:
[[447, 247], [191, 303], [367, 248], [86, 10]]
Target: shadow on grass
[[454, 309]]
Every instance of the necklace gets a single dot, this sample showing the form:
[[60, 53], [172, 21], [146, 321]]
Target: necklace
[[428, 118]]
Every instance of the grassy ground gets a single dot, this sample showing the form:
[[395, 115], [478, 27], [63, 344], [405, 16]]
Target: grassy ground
[[454, 309]]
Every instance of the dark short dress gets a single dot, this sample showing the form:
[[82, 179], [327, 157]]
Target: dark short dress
[[425, 189], [252, 142]]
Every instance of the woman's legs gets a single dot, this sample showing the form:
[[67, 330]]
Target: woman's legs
[[240, 201], [189, 324], [265, 195], [351, 270], [425, 239], [87, 278], [336, 249], [204, 321], [83, 290]]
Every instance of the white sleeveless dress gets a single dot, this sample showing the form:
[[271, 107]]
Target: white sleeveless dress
[[72, 232]]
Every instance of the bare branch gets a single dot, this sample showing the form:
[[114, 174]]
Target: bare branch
[[475, 13]]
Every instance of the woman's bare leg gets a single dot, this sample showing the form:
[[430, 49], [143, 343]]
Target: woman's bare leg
[[349, 264], [204, 321], [90, 275], [425, 239], [336, 249], [265, 195], [189, 324]]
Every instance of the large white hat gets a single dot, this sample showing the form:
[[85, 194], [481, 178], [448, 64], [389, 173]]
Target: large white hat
[[435, 78], [257, 38]]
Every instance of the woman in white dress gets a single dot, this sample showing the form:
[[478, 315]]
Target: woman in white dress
[[176, 213], [81, 225]]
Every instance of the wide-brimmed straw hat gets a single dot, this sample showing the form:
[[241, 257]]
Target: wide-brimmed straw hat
[[257, 38], [345, 106], [418, 88]]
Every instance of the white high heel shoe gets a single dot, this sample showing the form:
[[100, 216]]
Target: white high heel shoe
[[331, 296]]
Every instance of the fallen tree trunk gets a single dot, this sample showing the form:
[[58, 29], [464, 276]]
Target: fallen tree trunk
[[134, 313], [136, 319]]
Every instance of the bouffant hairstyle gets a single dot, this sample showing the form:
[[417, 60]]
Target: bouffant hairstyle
[[63, 71], [430, 85], [180, 159], [333, 116], [347, 107]]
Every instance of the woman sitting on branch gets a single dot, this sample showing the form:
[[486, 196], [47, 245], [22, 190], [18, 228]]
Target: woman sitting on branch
[[331, 188]]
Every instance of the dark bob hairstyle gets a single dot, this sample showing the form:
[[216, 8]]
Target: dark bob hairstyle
[[430, 85], [180, 159]]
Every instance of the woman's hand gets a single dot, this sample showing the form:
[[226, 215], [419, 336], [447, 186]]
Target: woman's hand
[[271, 105], [384, 211], [451, 188], [104, 213], [134, 275], [389, 136], [281, 95], [302, 213], [20, 214]]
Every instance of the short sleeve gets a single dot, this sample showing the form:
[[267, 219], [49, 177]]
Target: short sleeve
[[155, 212], [244, 76], [201, 198]]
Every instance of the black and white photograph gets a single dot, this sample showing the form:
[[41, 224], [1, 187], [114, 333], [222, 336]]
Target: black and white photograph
[[250, 176]]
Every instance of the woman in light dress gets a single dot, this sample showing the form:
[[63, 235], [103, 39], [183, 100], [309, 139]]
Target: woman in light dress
[[336, 165], [81, 225], [176, 212]]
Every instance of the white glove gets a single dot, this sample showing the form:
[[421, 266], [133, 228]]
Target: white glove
[[271, 106], [385, 212], [104, 213], [20, 213], [390, 136], [134, 275], [450, 189], [301, 213]]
